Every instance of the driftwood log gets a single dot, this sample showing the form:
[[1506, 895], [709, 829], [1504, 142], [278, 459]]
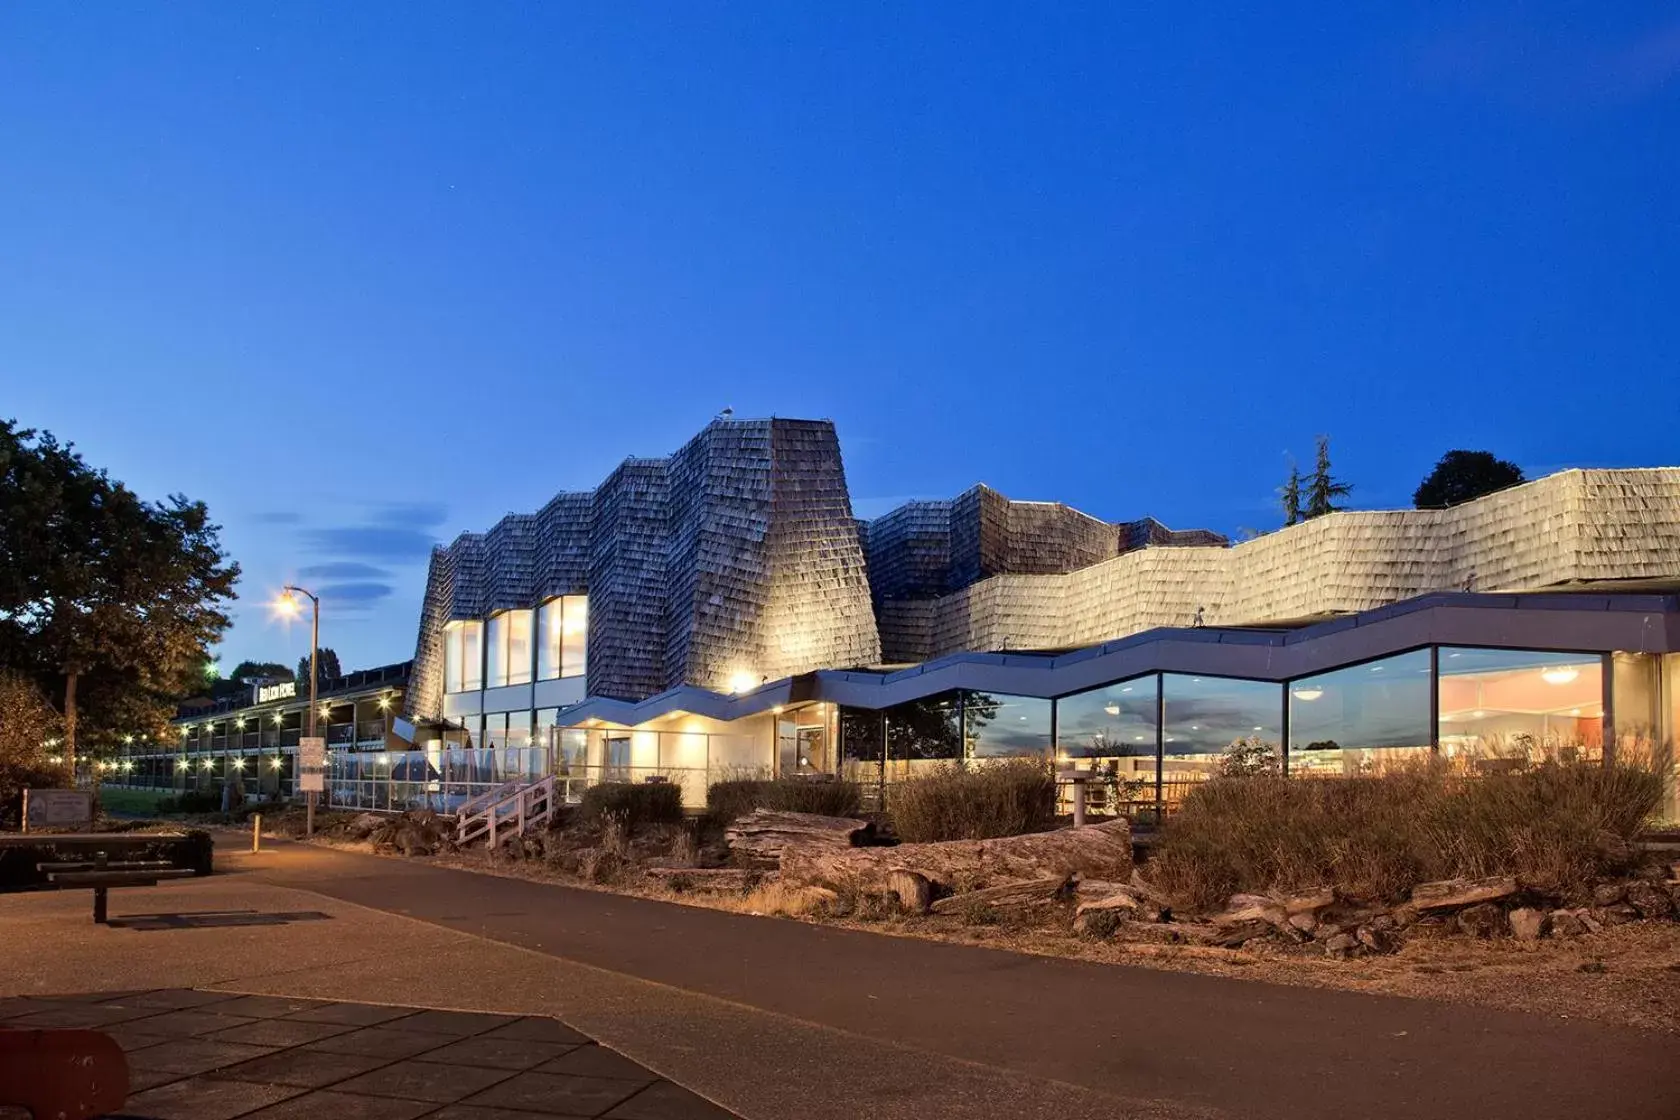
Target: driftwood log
[[764, 833], [1099, 851], [1036, 892]]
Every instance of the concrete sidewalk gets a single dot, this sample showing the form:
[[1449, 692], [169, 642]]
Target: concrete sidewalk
[[1150, 1039]]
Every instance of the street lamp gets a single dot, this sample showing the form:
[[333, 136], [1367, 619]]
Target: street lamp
[[289, 606]]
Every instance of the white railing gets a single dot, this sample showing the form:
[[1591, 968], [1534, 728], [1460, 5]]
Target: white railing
[[518, 807]]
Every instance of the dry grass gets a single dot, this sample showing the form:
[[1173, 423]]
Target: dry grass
[[637, 803], [727, 800], [978, 801], [1557, 826]]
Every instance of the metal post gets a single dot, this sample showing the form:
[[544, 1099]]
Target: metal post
[[314, 675], [256, 832]]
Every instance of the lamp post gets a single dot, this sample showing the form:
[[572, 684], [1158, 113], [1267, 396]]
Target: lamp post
[[289, 604]]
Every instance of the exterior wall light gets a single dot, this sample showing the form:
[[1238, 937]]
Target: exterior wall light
[[742, 680]]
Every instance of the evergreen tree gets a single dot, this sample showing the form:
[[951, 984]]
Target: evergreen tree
[[326, 661], [1291, 492], [1323, 489], [1463, 475]]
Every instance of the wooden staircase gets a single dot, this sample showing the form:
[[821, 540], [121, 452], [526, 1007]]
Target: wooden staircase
[[516, 806]]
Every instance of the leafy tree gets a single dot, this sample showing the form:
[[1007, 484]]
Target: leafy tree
[[1462, 475], [1323, 489], [1291, 496], [28, 725], [247, 671], [109, 602], [326, 661]]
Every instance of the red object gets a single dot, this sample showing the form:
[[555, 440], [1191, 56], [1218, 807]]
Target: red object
[[73, 1074]]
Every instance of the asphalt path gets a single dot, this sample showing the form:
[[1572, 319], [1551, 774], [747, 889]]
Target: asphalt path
[[1209, 1044]]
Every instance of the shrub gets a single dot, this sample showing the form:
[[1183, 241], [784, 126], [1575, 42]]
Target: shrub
[[975, 802], [634, 804], [1557, 826], [727, 800]]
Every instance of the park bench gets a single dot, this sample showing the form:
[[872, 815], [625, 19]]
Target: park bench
[[102, 873]]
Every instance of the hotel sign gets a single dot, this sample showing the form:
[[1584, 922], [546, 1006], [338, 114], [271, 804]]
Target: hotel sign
[[284, 690]]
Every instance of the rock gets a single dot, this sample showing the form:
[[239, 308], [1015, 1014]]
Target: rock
[[1099, 851], [1527, 923], [1608, 894], [1650, 900], [1235, 936], [1485, 919], [1385, 923], [763, 834], [1404, 915], [358, 827], [1245, 908], [1564, 923], [1038, 892], [1305, 903], [912, 889], [1618, 915], [1376, 940], [1146, 889], [1303, 922], [1340, 945], [1098, 925], [1125, 901], [1450, 894], [1590, 920]]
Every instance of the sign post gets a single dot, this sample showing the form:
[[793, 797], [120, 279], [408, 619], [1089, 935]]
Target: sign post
[[312, 775]]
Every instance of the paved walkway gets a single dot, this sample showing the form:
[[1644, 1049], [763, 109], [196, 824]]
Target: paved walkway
[[1140, 1035], [204, 1055]]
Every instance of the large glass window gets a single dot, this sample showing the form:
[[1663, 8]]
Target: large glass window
[[562, 636], [461, 657], [1217, 725], [923, 732], [998, 726], [1362, 719], [1505, 709], [1115, 721], [862, 747], [509, 649]]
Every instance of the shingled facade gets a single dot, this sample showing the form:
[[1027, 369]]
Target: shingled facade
[[737, 555]]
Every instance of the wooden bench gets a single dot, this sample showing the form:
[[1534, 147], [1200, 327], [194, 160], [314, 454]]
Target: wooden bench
[[101, 874]]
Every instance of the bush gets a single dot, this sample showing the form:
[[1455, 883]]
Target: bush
[[191, 801], [975, 802], [1558, 827], [727, 800], [634, 804]]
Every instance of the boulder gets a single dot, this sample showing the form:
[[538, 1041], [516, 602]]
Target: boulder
[[1119, 898], [1305, 902], [1485, 919], [1385, 923], [1618, 915], [1235, 936], [1527, 923], [1306, 923], [1608, 894], [1099, 851], [1340, 945], [1244, 908], [1565, 923], [360, 826], [1376, 940], [1649, 899], [1451, 894], [763, 834]]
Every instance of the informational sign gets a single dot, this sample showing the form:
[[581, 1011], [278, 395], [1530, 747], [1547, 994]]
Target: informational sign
[[283, 690], [57, 808], [312, 764]]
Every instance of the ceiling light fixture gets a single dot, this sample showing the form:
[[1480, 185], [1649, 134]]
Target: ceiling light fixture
[[1307, 693], [1561, 674]]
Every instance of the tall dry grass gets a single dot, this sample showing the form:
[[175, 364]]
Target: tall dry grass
[[1557, 826], [727, 800], [976, 801]]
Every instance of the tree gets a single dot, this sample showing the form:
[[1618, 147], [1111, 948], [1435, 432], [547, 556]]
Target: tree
[[1323, 489], [247, 671], [1291, 492], [27, 726], [1463, 475], [326, 661], [109, 602]]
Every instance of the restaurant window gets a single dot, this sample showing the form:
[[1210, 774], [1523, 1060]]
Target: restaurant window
[[1363, 719], [999, 726], [461, 663], [1217, 725], [1506, 709], [562, 637]]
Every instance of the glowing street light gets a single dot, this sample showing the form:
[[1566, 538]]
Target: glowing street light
[[288, 605]]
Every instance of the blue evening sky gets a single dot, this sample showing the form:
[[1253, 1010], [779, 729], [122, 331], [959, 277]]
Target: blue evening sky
[[363, 275]]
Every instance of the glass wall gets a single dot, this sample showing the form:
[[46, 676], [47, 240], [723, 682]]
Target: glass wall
[[862, 746], [921, 733], [563, 635], [1362, 719], [1505, 709], [508, 653], [1213, 725], [998, 726], [461, 658], [1112, 730]]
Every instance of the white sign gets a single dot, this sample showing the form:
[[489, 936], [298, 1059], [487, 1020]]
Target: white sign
[[312, 764], [57, 808], [284, 690]]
